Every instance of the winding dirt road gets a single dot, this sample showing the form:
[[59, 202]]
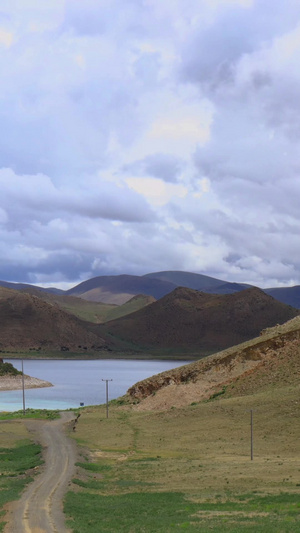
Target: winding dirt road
[[40, 509]]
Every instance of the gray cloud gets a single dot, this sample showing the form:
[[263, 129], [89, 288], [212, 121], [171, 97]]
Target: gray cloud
[[150, 136], [37, 198], [163, 166], [213, 49]]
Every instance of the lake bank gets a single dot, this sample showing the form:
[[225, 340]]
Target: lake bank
[[78, 381], [113, 356], [11, 383]]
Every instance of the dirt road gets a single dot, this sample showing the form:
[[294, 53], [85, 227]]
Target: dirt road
[[40, 509]]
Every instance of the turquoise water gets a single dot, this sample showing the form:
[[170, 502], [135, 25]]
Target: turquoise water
[[76, 382]]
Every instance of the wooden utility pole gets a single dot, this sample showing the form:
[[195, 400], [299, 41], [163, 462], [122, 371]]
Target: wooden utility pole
[[23, 388], [106, 380], [251, 430]]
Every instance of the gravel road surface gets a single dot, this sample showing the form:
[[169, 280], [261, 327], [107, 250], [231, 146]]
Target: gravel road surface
[[40, 509]]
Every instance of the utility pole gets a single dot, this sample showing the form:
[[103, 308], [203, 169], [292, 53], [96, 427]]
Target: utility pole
[[251, 424], [23, 388], [106, 380]]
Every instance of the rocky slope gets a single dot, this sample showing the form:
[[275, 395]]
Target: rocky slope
[[268, 361]]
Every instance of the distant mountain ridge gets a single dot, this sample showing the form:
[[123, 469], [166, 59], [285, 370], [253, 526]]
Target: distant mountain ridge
[[287, 295], [119, 289], [184, 322], [26, 286], [199, 282]]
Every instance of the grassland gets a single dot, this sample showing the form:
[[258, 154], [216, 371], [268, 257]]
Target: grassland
[[96, 312], [90, 311], [19, 458], [41, 414], [190, 468]]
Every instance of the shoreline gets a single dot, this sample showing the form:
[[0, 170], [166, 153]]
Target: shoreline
[[8, 383]]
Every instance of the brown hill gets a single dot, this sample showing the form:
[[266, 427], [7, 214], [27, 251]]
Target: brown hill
[[190, 321], [27, 322], [264, 364]]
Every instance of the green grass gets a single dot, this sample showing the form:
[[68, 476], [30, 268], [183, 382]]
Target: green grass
[[16, 467], [217, 394], [90, 311], [94, 467], [171, 512], [30, 413], [7, 369], [18, 460], [189, 468]]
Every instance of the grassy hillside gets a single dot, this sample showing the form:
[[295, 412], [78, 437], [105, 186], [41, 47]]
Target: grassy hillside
[[190, 468], [134, 304], [266, 362], [95, 312], [159, 465]]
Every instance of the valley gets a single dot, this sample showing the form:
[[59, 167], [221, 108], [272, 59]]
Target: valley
[[175, 452], [164, 320]]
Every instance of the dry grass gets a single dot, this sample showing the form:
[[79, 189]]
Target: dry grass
[[11, 432], [202, 449]]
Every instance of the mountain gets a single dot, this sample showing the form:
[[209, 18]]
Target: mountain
[[117, 290], [228, 288], [199, 282], [26, 286], [120, 289], [185, 321], [190, 280], [286, 295], [29, 323], [190, 321]]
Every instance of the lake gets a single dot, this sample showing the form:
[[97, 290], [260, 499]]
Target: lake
[[76, 382]]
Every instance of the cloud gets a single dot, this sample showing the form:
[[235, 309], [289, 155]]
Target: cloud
[[144, 135], [156, 191], [36, 197], [160, 165]]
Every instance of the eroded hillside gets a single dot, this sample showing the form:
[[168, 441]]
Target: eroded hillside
[[272, 359]]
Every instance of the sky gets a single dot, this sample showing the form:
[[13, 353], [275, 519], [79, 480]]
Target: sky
[[139, 135]]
